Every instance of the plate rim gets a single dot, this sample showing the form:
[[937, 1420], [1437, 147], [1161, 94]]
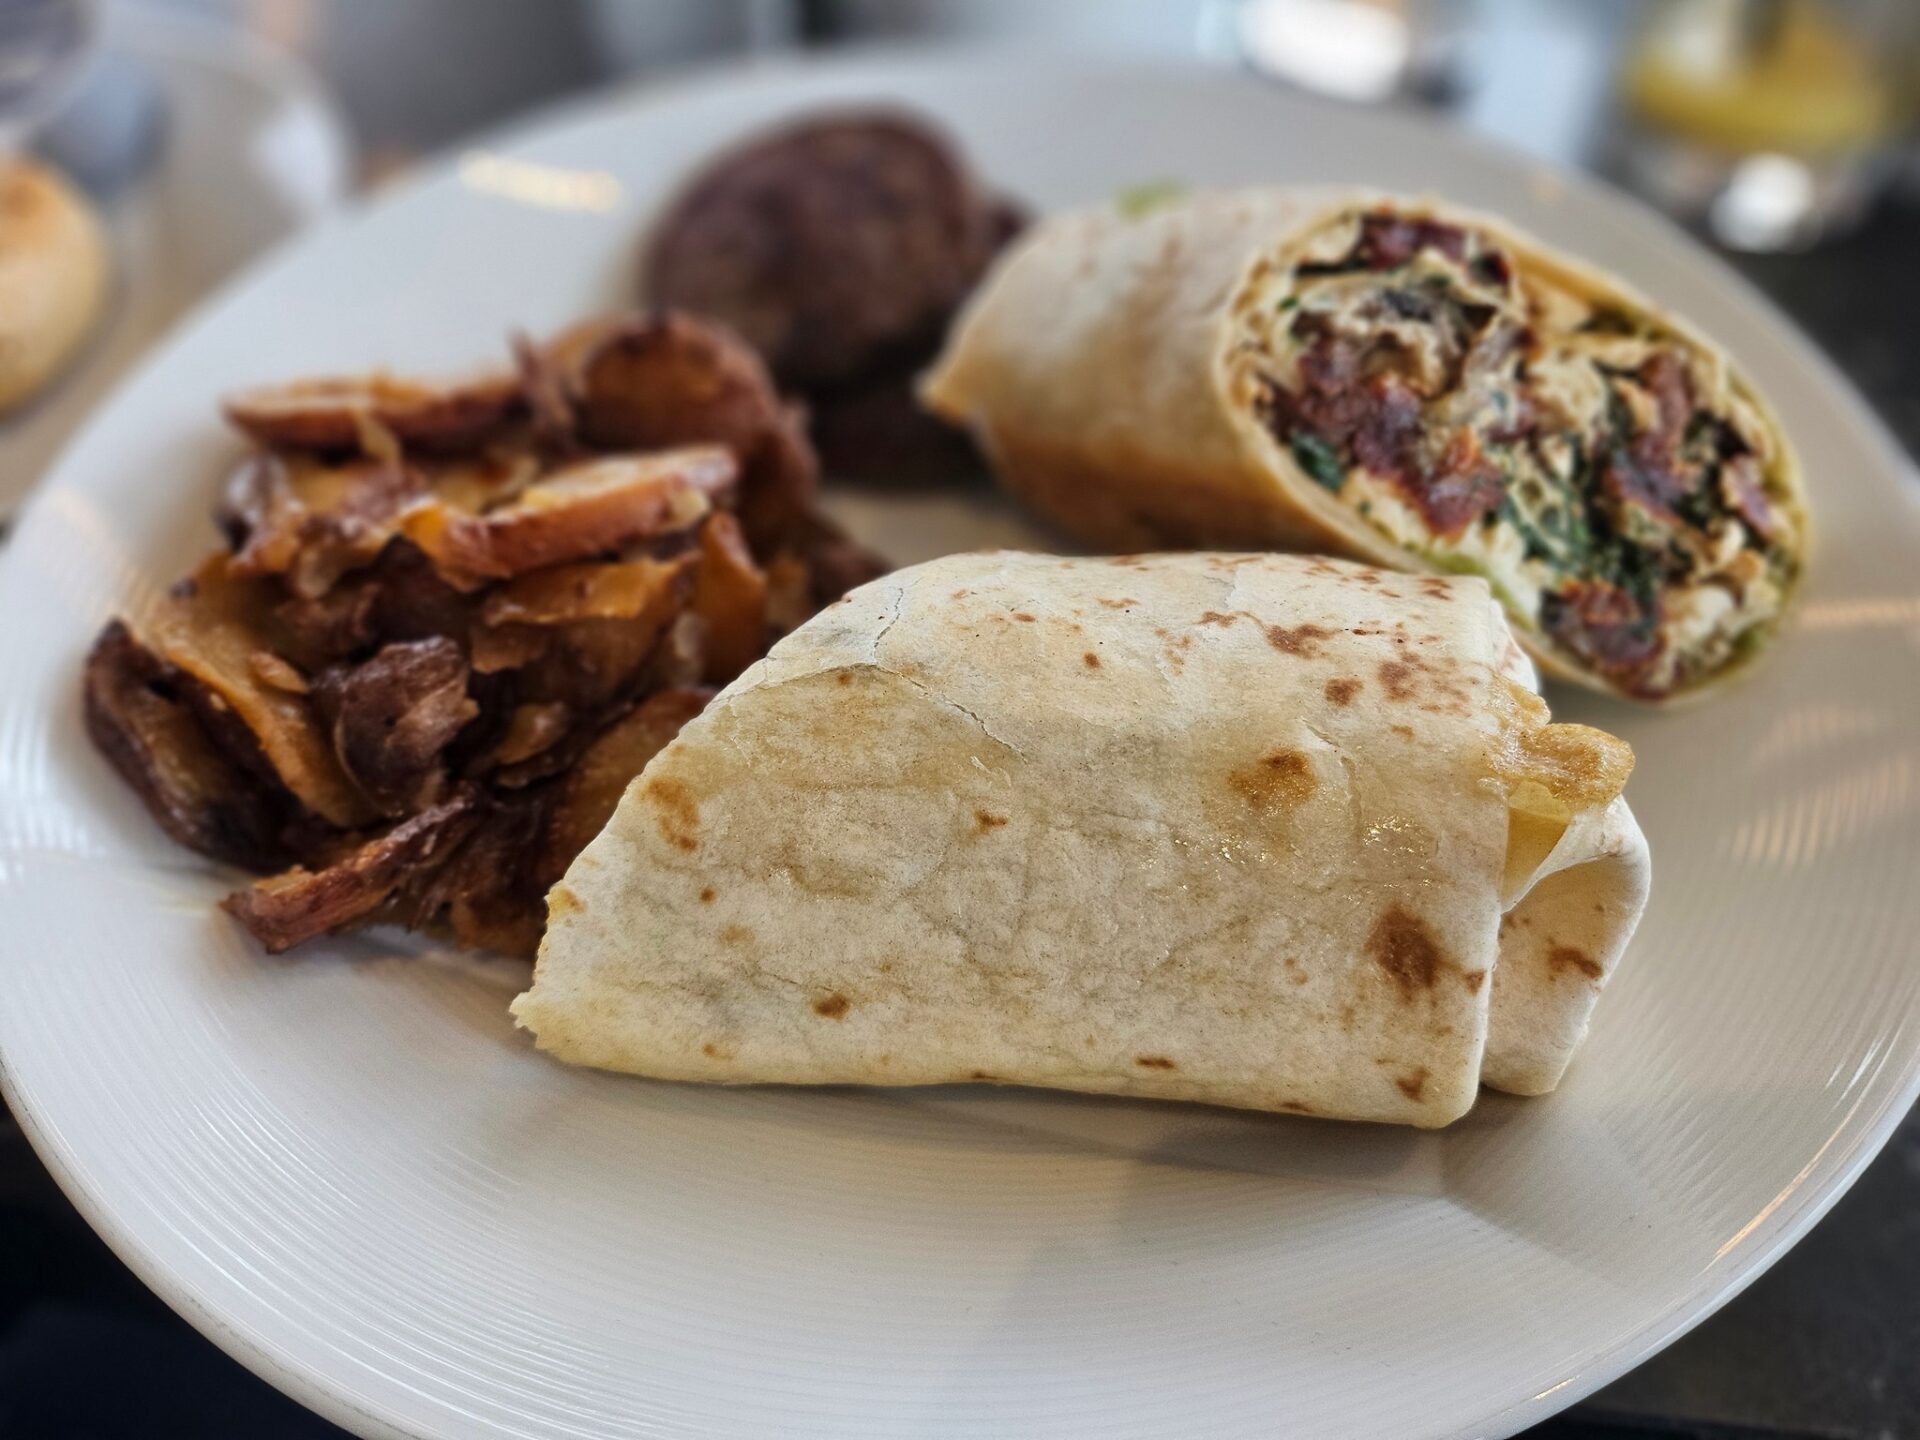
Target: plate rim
[[1781, 1224]]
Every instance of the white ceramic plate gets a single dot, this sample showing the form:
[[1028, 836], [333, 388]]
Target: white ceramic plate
[[252, 151], [352, 1173]]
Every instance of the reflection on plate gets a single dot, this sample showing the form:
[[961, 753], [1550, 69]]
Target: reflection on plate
[[353, 1173]]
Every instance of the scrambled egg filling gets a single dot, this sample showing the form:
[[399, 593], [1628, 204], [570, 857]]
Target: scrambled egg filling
[[1606, 475]]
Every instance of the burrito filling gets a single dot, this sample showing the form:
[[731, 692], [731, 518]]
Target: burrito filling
[[1600, 470]]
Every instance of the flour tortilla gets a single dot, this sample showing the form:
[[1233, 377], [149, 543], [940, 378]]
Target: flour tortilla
[[1228, 828], [1101, 368]]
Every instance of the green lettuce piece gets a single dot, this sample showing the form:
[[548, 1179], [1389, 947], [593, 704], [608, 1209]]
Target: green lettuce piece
[[1148, 196]]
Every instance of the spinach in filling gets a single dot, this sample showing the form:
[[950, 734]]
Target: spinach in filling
[[1590, 444]]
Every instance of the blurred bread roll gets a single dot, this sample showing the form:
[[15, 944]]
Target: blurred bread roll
[[53, 277]]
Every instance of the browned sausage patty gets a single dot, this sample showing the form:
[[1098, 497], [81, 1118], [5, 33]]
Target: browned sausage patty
[[838, 247]]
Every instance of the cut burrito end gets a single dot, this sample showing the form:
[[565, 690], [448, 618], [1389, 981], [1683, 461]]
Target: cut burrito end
[[1239, 829], [1489, 411], [1402, 381]]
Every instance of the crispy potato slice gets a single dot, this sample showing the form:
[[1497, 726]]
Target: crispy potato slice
[[494, 648], [593, 787], [332, 413], [489, 896], [283, 910], [313, 522], [581, 511], [532, 729], [591, 664], [471, 484], [590, 590], [151, 736], [643, 382], [209, 628], [730, 595], [676, 379]]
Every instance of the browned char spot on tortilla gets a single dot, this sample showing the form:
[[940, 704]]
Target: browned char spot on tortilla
[[1397, 678], [1405, 732], [1434, 588], [1412, 1085], [679, 815], [844, 677], [1119, 603], [1342, 688], [715, 1051], [1302, 640], [832, 1007], [1023, 617], [1298, 1107], [1474, 979], [1562, 958], [1401, 945], [982, 1075], [1279, 780], [1215, 617], [1090, 660], [985, 820], [707, 892], [1154, 1062], [735, 935]]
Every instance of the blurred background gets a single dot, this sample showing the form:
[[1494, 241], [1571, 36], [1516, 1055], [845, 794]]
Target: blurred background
[[200, 133]]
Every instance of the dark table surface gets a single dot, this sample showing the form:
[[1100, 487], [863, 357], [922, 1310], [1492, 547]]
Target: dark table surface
[[1825, 1346]]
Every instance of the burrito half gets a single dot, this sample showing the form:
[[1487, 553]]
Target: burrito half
[[1403, 381], [1266, 831]]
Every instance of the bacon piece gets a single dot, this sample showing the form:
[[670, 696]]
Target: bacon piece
[[1387, 240], [1377, 418], [1741, 489], [1605, 625]]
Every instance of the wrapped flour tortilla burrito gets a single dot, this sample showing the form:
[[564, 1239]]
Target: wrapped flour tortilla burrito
[[1403, 381], [1267, 831]]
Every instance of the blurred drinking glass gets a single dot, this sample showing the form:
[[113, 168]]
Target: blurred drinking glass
[[43, 44], [1772, 123], [1365, 50]]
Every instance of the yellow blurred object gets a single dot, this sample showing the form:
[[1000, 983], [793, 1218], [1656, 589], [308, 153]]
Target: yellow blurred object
[[1785, 76], [53, 277]]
